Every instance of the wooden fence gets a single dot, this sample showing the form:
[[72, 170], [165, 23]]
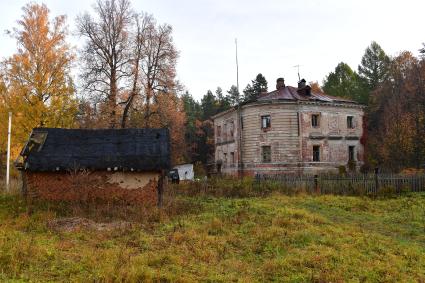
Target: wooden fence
[[359, 184]]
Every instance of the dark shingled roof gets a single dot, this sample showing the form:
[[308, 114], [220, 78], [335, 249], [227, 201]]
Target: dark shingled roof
[[125, 149]]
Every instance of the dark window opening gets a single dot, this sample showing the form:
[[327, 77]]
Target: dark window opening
[[315, 120], [351, 153], [350, 122], [266, 154], [316, 153], [35, 143], [218, 131], [265, 122], [232, 129], [232, 156], [225, 158]]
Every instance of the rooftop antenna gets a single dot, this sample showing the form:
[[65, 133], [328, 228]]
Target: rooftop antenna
[[298, 67]]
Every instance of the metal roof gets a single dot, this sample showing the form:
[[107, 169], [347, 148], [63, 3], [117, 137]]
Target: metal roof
[[293, 93]]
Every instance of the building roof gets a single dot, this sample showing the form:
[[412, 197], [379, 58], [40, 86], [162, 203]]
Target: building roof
[[293, 93], [52, 149]]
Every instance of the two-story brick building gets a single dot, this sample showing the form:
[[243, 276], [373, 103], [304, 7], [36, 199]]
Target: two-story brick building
[[289, 130]]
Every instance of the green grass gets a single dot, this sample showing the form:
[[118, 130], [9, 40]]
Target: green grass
[[275, 238]]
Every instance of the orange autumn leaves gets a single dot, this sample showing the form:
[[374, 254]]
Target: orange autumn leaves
[[36, 83]]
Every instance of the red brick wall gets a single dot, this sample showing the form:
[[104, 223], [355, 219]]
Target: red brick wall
[[87, 186]]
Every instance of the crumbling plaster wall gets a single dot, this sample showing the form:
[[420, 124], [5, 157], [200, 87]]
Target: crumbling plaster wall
[[333, 136], [131, 187]]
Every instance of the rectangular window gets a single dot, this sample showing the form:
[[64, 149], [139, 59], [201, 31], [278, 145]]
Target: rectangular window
[[265, 122], [266, 154], [218, 131], [225, 158], [232, 156], [351, 153], [232, 129], [316, 153], [225, 132], [350, 122], [315, 120]]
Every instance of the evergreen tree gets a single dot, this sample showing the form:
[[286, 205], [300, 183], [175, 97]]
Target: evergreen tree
[[233, 94], [374, 65], [223, 101], [257, 86], [209, 105], [193, 116], [344, 82]]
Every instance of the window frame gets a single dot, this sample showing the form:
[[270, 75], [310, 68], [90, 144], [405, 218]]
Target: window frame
[[350, 122], [232, 130], [268, 120], [316, 150], [351, 153], [263, 154], [317, 120], [218, 131]]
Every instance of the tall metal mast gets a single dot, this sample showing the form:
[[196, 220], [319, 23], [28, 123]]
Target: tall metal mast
[[239, 115]]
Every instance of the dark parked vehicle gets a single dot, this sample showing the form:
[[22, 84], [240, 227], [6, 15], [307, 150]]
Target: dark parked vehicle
[[174, 176]]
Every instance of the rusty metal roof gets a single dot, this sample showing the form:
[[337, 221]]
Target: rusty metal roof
[[293, 93]]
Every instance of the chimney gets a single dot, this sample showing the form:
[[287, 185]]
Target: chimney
[[301, 84], [280, 83]]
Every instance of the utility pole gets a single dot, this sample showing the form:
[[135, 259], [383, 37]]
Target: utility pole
[[9, 132]]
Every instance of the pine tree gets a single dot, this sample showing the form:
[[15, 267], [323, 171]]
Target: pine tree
[[233, 93], [257, 86], [374, 65], [209, 105]]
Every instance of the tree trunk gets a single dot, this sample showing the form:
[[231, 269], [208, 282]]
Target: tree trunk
[[112, 101]]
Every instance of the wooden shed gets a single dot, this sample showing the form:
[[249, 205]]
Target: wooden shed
[[102, 164]]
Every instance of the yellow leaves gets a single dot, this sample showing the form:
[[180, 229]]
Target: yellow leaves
[[40, 92]]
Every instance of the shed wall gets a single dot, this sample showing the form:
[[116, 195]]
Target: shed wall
[[131, 187]]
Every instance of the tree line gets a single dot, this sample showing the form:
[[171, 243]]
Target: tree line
[[126, 77], [393, 89]]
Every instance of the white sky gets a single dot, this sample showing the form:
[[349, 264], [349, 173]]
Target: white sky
[[273, 35]]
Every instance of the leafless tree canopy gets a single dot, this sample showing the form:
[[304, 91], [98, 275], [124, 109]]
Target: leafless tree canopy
[[106, 52], [127, 57]]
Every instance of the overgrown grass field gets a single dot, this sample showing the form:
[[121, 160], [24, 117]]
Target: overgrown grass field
[[274, 238]]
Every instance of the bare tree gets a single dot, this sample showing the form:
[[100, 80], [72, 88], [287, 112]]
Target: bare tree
[[106, 52], [142, 23], [153, 62], [158, 67]]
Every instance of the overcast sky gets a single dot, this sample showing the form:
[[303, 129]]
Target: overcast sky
[[273, 35]]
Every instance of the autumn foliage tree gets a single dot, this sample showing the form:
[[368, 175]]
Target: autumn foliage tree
[[397, 115], [36, 81]]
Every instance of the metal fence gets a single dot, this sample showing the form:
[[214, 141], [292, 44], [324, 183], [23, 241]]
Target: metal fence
[[356, 184]]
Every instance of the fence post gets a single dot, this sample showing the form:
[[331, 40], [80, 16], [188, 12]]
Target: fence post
[[376, 180], [316, 184], [160, 188]]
